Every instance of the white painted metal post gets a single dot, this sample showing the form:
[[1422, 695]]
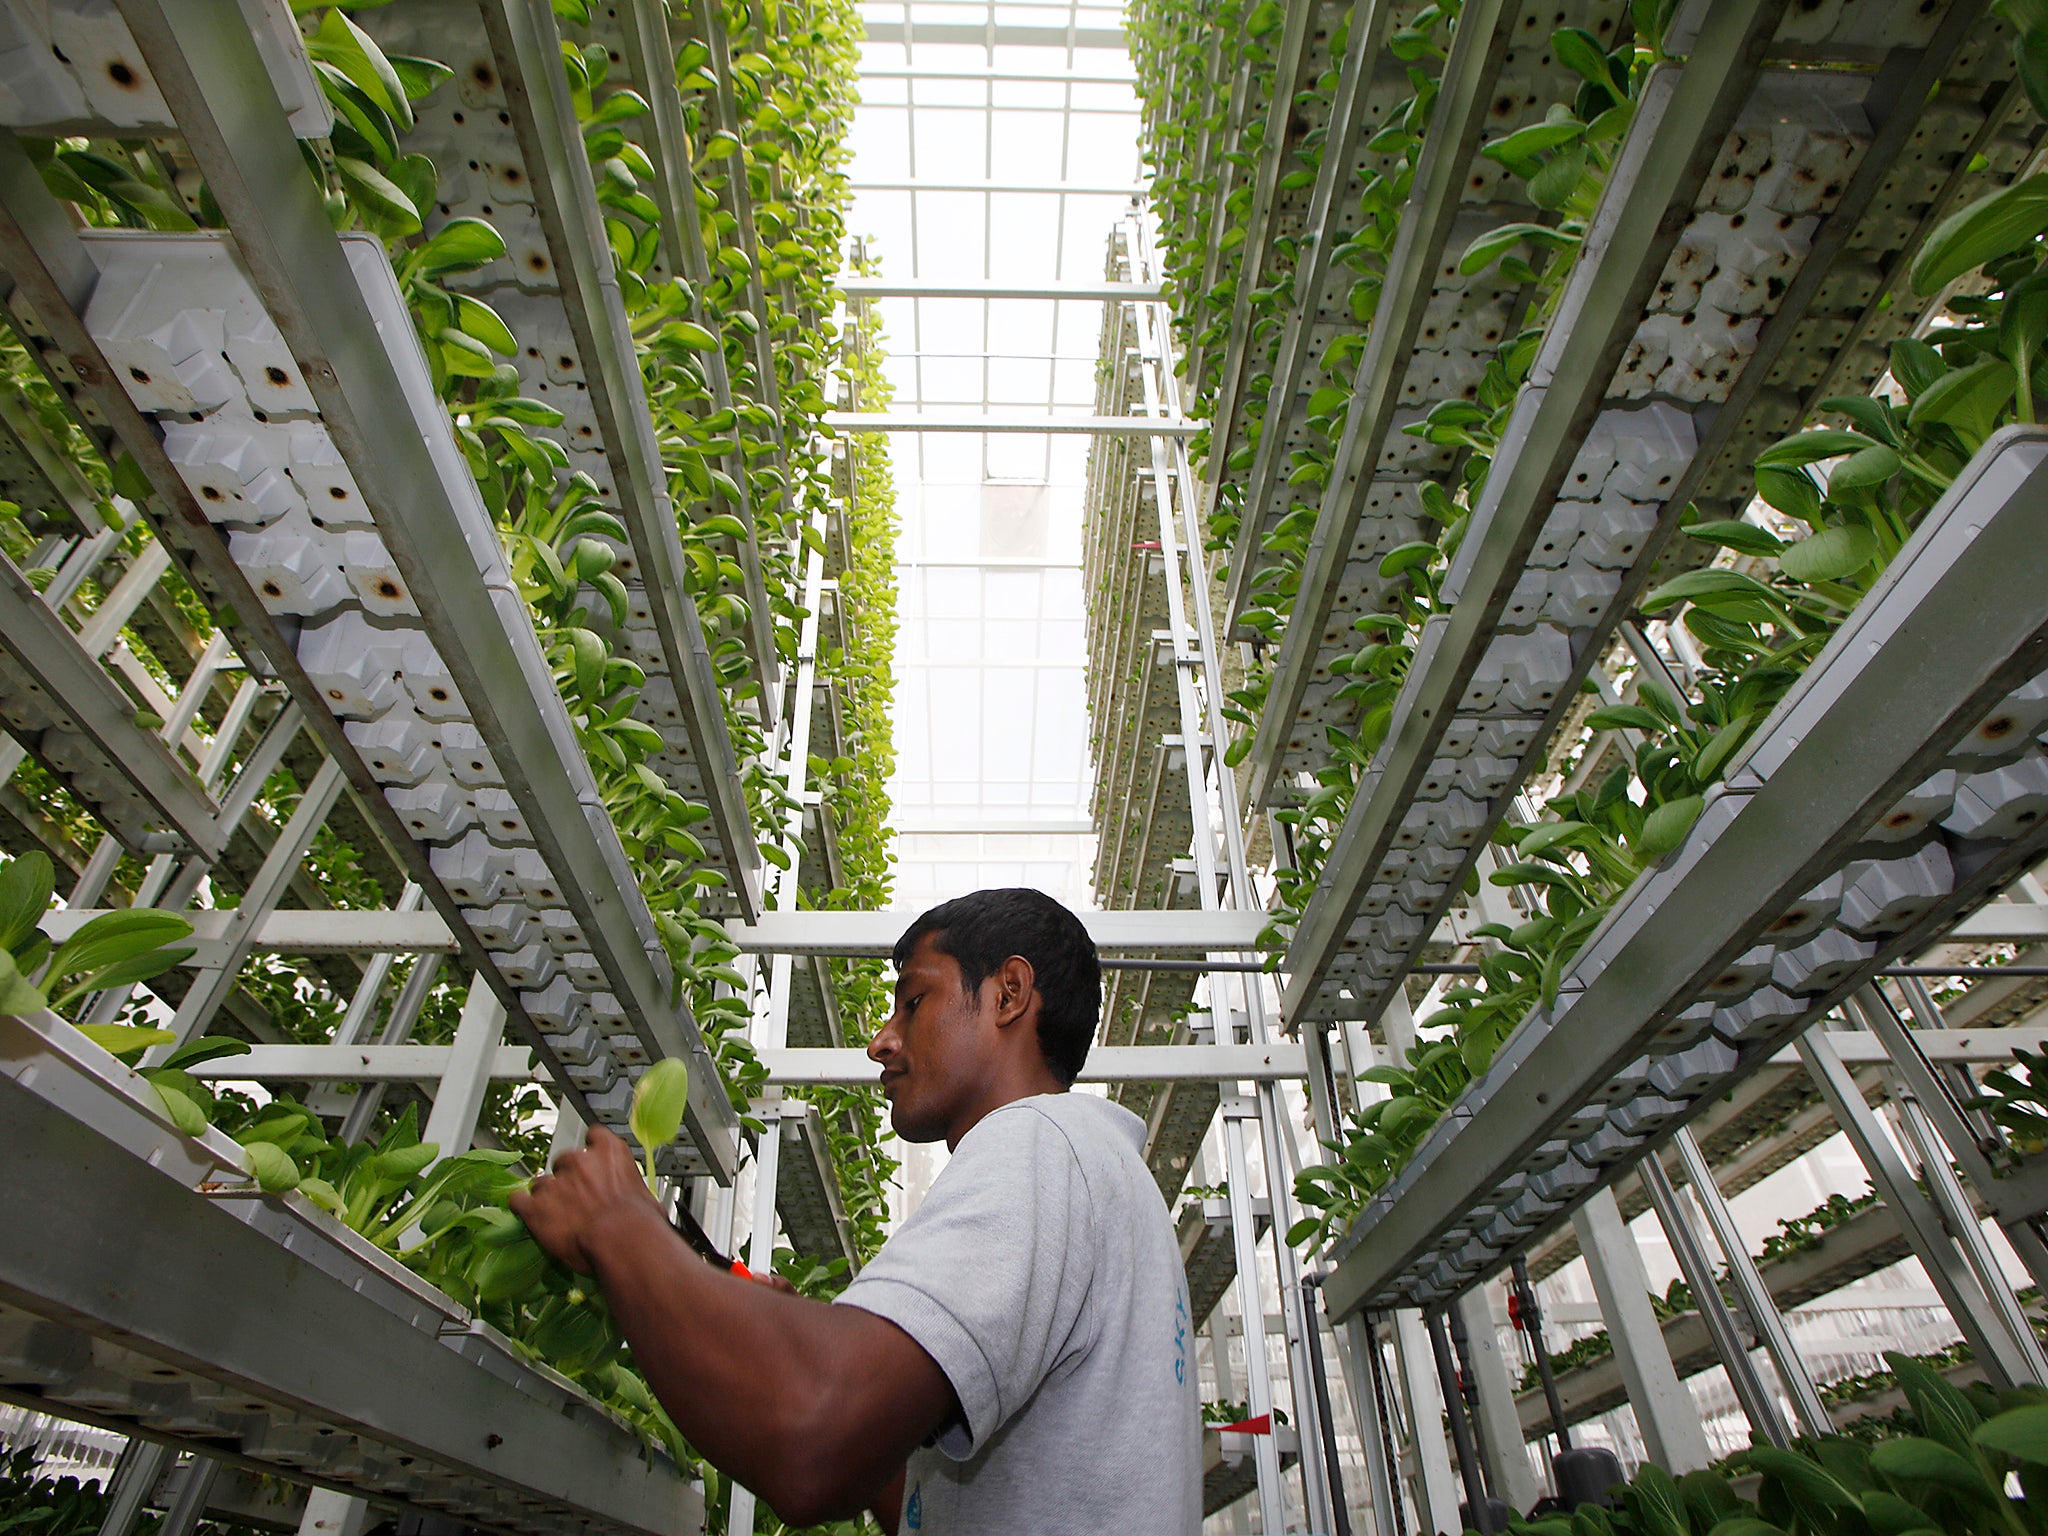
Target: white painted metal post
[[1500, 1423], [1173, 482], [772, 1031], [1436, 1482], [2010, 1361], [451, 1124], [1664, 1407]]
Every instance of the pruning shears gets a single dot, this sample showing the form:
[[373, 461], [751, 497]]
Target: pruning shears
[[700, 1241]]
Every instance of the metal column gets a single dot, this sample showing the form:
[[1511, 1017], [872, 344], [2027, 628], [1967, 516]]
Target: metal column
[[2011, 1361], [1918, 1081], [1198, 675], [1756, 1299], [1758, 1405], [1664, 1408], [772, 1029], [1500, 1423]]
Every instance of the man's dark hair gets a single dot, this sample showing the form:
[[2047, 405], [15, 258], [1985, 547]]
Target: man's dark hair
[[982, 930]]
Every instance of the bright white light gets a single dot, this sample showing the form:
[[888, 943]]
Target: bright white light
[[991, 708]]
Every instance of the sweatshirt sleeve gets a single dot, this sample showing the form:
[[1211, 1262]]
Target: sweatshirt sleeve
[[989, 1276]]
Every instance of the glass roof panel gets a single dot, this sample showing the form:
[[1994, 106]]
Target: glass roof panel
[[1021, 120]]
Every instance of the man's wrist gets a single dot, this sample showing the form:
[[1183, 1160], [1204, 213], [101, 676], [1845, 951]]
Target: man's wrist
[[618, 1236]]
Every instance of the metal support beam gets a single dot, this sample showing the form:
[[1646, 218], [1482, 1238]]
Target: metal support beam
[[215, 981], [886, 288], [405, 1013], [819, 1066], [1793, 1377], [377, 412], [451, 1125], [940, 421], [1359, 1349], [1500, 1425], [96, 706], [367, 1064], [1758, 1405], [1916, 1080], [1664, 1408], [1114, 933], [1436, 1494], [1055, 189], [2009, 1361]]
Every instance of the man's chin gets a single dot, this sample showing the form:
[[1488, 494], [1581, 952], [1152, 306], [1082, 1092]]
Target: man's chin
[[911, 1129]]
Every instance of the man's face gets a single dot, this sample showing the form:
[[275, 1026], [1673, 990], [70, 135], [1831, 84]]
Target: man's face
[[931, 1051]]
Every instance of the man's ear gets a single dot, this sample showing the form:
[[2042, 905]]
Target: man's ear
[[1016, 984]]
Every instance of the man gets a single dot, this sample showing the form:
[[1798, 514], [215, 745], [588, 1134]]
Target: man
[[1018, 1358]]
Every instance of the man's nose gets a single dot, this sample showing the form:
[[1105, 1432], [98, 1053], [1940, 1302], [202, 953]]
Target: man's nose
[[884, 1042]]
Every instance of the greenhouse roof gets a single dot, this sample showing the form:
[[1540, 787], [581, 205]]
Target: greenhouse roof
[[995, 145]]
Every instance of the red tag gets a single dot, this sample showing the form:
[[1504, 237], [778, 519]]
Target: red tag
[[1262, 1425]]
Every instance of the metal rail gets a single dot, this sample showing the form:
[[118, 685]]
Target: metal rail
[[1803, 876], [443, 564], [1625, 412], [352, 1374], [557, 291]]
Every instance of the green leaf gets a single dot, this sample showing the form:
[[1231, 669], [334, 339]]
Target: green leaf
[[531, 413], [477, 319], [1624, 717], [1864, 470], [1790, 491], [125, 973], [1916, 365], [1407, 557], [1665, 827], [690, 334], [2021, 1433], [1995, 225], [1833, 553], [25, 887], [354, 52], [1656, 1503], [418, 76], [1733, 533], [1524, 143], [510, 1272], [617, 108], [377, 195], [1968, 400], [1811, 447], [461, 245], [205, 1048], [1553, 186], [126, 1041], [274, 1170], [184, 1111], [322, 1194], [1746, 1525], [1944, 1413], [1694, 585], [116, 936], [18, 995], [1491, 246], [1579, 50], [1911, 1460], [1546, 835], [1718, 749]]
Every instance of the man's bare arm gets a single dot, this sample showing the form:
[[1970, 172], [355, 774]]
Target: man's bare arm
[[887, 1506], [814, 1407]]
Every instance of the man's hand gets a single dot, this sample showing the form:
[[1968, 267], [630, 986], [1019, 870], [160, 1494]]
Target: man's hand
[[590, 1195]]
